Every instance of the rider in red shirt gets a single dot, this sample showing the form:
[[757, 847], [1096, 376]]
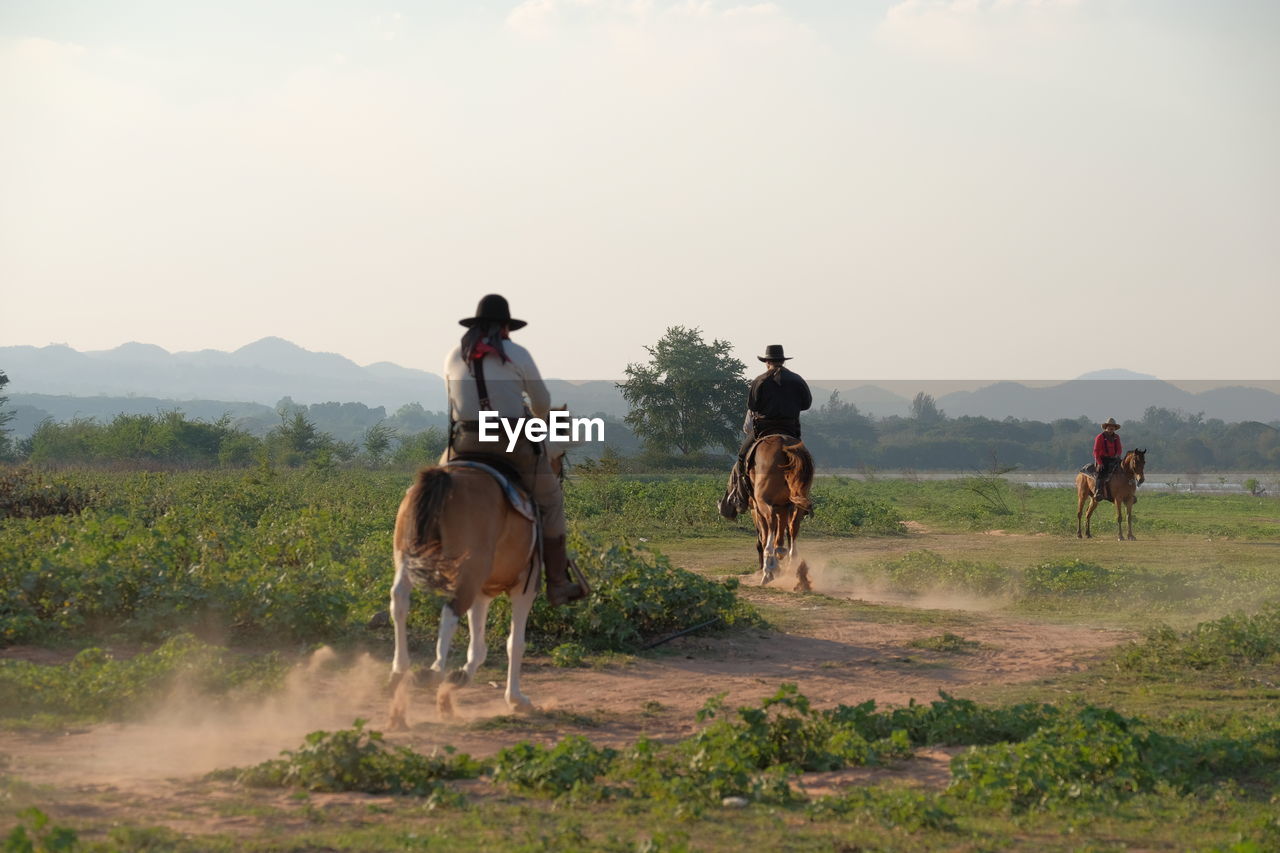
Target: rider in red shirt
[[1106, 454]]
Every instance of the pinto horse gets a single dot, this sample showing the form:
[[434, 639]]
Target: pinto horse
[[1123, 484], [781, 475], [456, 531]]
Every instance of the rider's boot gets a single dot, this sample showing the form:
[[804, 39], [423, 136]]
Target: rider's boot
[[560, 590]]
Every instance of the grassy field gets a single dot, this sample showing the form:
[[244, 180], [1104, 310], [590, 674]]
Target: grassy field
[[1167, 741]]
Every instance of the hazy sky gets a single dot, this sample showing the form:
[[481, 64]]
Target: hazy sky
[[890, 188]]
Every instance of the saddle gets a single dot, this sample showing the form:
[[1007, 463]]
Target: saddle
[[506, 477]]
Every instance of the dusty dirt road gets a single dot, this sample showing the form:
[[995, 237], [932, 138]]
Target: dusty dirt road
[[836, 649]]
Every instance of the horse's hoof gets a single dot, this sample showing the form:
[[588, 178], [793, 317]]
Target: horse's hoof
[[444, 704], [521, 705], [803, 586], [458, 678], [1133, 538], [766, 580], [393, 683], [397, 723]]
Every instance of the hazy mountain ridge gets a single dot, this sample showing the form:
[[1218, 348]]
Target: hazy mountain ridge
[[265, 371], [261, 372]]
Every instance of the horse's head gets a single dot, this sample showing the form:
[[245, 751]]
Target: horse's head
[[1137, 460]]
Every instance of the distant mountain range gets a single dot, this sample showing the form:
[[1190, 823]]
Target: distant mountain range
[[260, 372], [62, 382]]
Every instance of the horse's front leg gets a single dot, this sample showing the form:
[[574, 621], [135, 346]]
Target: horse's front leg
[[1119, 517], [521, 604], [1129, 516], [1088, 517], [401, 589]]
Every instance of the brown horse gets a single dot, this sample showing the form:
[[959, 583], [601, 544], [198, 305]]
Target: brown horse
[[781, 475], [1123, 484], [456, 531]]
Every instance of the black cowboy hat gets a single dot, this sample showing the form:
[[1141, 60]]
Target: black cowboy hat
[[493, 309], [773, 352]]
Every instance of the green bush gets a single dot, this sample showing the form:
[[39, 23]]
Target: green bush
[[637, 595], [571, 766], [357, 760], [1074, 577], [1092, 756], [1225, 643], [25, 493]]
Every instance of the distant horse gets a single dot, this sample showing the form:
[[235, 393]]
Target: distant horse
[[781, 475], [1123, 484], [457, 531]]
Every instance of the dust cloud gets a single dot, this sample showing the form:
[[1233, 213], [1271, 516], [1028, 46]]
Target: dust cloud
[[186, 734]]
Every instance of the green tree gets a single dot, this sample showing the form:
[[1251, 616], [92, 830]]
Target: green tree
[[691, 394], [377, 441], [925, 409], [297, 438]]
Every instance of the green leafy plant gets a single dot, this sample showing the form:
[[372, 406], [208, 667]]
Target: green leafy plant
[[357, 760]]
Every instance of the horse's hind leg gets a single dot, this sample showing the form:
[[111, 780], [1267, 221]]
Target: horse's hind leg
[[477, 649], [802, 568], [448, 625], [521, 604], [400, 593], [1088, 517], [769, 567]]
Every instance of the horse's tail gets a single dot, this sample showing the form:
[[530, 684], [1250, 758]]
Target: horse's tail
[[429, 494], [797, 468]]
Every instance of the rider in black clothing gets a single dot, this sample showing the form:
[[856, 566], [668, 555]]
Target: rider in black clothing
[[777, 398]]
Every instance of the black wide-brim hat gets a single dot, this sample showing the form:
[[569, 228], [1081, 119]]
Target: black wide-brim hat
[[493, 309], [773, 352]]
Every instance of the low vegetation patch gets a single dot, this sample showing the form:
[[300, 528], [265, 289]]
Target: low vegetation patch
[[1024, 758], [292, 557], [97, 685], [356, 760], [947, 643], [637, 595], [1230, 642]]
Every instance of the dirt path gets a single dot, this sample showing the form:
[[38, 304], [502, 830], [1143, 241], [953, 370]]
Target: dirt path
[[835, 650]]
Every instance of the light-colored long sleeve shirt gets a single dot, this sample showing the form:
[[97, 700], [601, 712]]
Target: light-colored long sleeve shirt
[[509, 384]]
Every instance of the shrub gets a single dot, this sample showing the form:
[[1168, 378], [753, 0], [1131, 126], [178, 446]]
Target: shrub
[[356, 760], [1092, 756], [1232, 641], [571, 766], [637, 595], [1074, 577], [25, 493]]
